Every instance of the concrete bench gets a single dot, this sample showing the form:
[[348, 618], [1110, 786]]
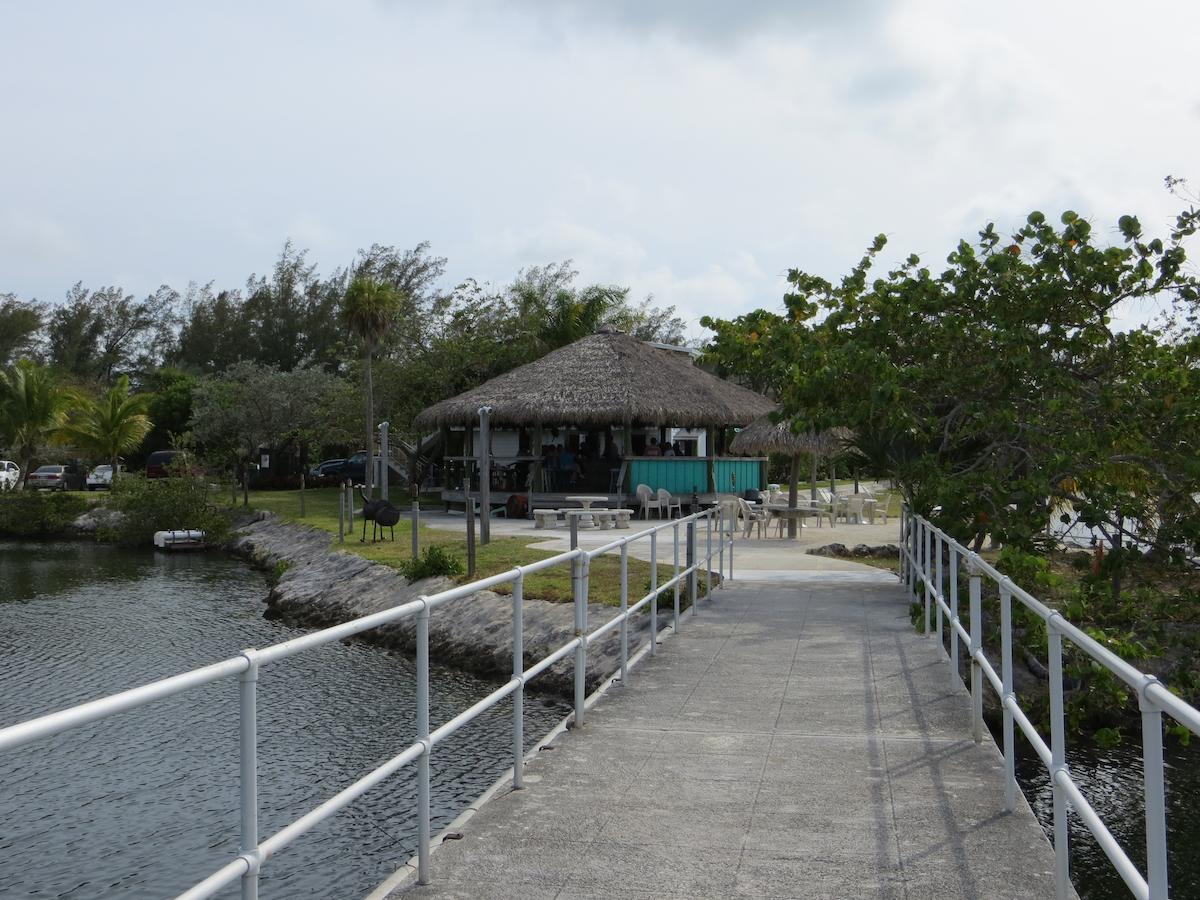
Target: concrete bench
[[545, 518], [605, 518]]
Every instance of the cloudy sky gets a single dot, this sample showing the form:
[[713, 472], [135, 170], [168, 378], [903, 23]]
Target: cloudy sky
[[692, 149]]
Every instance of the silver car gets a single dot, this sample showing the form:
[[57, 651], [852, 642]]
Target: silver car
[[56, 478]]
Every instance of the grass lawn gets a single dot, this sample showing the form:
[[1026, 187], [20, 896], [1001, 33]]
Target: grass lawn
[[501, 554]]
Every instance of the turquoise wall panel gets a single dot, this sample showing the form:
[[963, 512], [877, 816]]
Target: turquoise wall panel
[[679, 475], [682, 475], [737, 475]]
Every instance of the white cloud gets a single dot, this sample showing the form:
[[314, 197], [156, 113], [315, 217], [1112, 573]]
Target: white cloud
[[691, 150]]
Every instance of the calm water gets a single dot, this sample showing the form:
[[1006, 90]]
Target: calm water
[[1111, 780], [146, 804]]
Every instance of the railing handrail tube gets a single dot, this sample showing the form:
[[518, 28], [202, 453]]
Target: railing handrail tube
[[1052, 617], [247, 863], [102, 707], [1154, 699]]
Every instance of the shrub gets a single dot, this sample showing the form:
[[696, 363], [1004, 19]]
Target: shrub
[[435, 561], [25, 514], [163, 504]]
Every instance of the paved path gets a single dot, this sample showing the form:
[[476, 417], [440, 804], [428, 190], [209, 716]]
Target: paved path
[[792, 741]]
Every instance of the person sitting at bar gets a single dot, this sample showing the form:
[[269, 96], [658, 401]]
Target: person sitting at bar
[[568, 470], [668, 450], [653, 449]]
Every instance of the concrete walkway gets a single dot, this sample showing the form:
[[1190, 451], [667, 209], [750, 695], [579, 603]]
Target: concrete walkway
[[792, 741]]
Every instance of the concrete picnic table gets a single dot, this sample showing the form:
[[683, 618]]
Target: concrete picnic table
[[586, 501]]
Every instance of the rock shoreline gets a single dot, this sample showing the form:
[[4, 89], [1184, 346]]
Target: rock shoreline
[[319, 586]]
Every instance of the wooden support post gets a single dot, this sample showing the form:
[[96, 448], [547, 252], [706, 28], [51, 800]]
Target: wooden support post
[[793, 495], [485, 475], [535, 468], [469, 506]]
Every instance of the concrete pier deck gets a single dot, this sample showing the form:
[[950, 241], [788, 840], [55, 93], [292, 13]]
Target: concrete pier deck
[[794, 740]]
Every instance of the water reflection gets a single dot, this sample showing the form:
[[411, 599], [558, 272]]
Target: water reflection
[[1111, 780], [145, 804]]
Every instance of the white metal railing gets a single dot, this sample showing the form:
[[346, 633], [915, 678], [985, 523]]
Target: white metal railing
[[255, 853], [922, 549]]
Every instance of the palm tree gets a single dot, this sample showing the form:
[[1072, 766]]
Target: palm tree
[[570, 315], [116, 423], [369, 309], [32, 407]]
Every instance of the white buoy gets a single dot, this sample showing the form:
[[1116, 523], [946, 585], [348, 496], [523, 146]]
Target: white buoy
[[187, 539]]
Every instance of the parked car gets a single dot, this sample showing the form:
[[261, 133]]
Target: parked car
[[163, 463], [56, 478], [354, 468], [10, 475], [100, 477], [327, 469]]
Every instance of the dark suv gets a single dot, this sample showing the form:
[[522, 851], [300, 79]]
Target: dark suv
[[354, 468], [164, 463]]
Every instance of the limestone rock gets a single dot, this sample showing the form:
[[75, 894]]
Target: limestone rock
[[321, 586]]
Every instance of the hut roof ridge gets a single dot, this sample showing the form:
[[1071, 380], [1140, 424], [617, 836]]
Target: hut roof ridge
[[603, 379]]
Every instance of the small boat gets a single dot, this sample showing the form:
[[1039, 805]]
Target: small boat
[[179, 540]]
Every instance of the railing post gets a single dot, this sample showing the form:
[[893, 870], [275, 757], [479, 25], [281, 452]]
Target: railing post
[[721, 543], [914, 570], [423, 833], [927, 571], [708, 523], [350, 506], [903, 544], [939, 590], [693, 580], [1058, 761], [248, 733], [416, 524], [654, 592], [675, 542], [624, 612], [518, 668], [1156, 807], [341, 513], [579, 566], [955, 678], [976, 648], [732, 529], [1006, 679]]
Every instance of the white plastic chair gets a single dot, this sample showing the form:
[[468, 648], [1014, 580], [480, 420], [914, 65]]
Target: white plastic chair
[[854, 510], [667, 502], [753, 517], [648, 501]]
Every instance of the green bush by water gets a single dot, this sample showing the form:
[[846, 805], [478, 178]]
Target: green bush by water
[[164, 504], [26, 514]]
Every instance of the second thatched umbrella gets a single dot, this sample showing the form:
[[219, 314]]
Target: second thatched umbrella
[[764, 436]]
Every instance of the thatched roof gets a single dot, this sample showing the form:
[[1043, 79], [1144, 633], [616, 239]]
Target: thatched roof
[[765, 436], [607, 378]]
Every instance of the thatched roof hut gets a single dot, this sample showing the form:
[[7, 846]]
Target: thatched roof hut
[[607, 378], [765, 436]]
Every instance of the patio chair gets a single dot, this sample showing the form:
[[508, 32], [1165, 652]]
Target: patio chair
[[753, 517], [729, 514], [854, 510], [822, 509], [648, 501], [667, 502]]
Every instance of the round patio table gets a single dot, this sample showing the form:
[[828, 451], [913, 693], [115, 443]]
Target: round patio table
[[783, 513], [586, 501]]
